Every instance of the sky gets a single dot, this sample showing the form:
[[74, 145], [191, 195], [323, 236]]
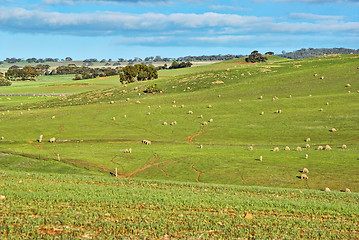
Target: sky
[[172, 28]]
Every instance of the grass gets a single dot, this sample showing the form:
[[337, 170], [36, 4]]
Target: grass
[[72, 206], [173, 187]]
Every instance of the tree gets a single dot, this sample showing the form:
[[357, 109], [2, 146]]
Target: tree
[[68, 59], [256, 57]]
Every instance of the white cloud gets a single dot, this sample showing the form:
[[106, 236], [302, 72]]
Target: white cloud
[[228, 8], [309, 16]]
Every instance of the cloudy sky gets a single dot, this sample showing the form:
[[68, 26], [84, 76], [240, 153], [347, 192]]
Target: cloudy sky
[[172, 28]]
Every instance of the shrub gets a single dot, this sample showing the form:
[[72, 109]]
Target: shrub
[[4, 82], [153, 89]]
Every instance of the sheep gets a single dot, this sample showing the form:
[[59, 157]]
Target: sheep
[[164, 123], [327, 147], [327, 103], [262, 113], [136, 88], [278, 111], [112, 102], [201, 146], [276, 149], [260, 97], [53, 117], [190, 112], [2, 197], [299, 149], [124, 91], [40, 138], [290, 96], [219, 95], [273, 99], [148, 113], [306, 156], [127, 99], [347, 190], [315, 75], [52, 140], [21, 113], [261, 158], [239, 100], [147, 142], [159, 106], [149, 107], [333, 130], [305, 170], [174, 106], [137, 102], [209, 106], [327, 189], [188, 88], [125, 116], [173, 101], [307, 140], [250, 148], [210, 120], [322, 77], [349, 92], [344, 146], [320, 147], [182, 106], [201, 116], [287, 148], [307, 145], [348, 85], [321, 110], [114, 118], [304, 176], [205, 123], [2, 137]]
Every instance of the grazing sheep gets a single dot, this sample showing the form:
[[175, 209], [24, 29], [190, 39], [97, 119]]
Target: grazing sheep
[[123, 91], [112, 102], [348, 85], [321, 110], [201, 116], [320, 147], [333, 130], [125, 116], [327, 103], [344, 146], [261, 158], [219, 95], [305, 170], [52, 140], [210, 120], [287, 148], [273, 99], [201, 146], [306, 156], [40, 138], [164, 123], [250, 148], [188, 88], [137, 102], [327, 147], [327, 189], [304, 176], [239, 100], [299, 149], [136, 88], [315, 75], [147, 142], [322, 77], [349, 92], [307, 145], [347, 190], [276, 149], [307, 140], [279, 111], [205, 123], [127, 150], [2, 137], [114, 118], [262, 113], [209, 106], [53, 117], [174, 106], [149, 107], [190, 112], [127, 99], [290, 96], [182, 106], [260, 97], [173, 101], [148, 113]]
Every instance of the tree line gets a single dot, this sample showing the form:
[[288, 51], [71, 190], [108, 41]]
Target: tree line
[[316, 52]]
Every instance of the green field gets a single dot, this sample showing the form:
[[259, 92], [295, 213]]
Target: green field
[[200, 168]]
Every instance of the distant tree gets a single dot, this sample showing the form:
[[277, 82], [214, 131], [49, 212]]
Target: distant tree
[[4, 81], [269, 53], [139, 72], [68, 59], [255, 56]]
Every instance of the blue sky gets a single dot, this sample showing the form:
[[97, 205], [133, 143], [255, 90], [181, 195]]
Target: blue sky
[[172, 28]]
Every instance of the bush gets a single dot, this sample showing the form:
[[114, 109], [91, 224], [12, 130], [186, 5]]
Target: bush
[[77, 77], [153, 89], [4, 82]]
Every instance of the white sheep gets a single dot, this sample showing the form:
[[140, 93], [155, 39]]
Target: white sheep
[[210, 120], [146, 142], [137, 102], [148, 113], [305, 170], [53, 117], [287, 148], [205, 123], [320, 147], [190, 112], [347, 190], [209, 106], [2, 137], [260, 97], [333, 130], [149, 107], [182, 106], [125, 116], [250, 148], [174, 106], [261, 158], [304, 176], [306, 156], [127, 99], [307, 140], [276, 149], [201, 146], [307, 145], [40, 138], [348, 85], [299, 149], [327, 147], [52, 140], [112, 102], [262, 113], [164, 123], [344, 146], [327, 189], [114, 118]]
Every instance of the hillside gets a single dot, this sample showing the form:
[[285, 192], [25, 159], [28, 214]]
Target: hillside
[[88, 136]]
